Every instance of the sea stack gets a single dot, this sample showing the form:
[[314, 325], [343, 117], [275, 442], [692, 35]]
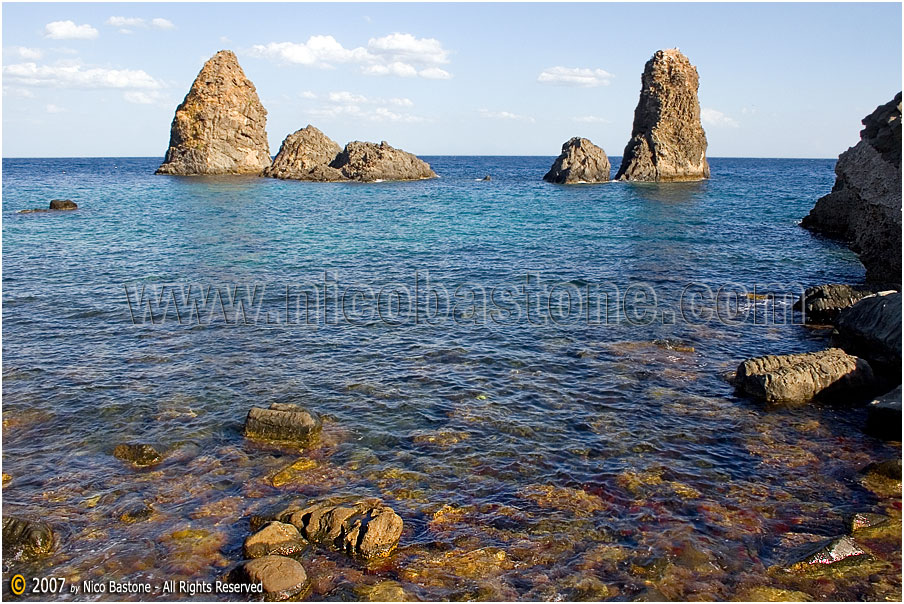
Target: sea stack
[[220, 127], [864, 207], [369, 162], [667, 141], [580, 162], [306, 154]]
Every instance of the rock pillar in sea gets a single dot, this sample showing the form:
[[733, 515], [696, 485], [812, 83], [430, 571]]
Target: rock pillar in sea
[[667, 141], [220, 127], [580, 162]]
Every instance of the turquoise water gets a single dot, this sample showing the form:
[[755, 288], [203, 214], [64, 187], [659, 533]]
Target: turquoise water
[[577, 448]]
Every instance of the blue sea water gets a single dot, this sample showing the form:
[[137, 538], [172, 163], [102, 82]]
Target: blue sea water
[[500, 431]]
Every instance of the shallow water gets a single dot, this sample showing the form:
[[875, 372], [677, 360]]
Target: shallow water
[[560, 460]]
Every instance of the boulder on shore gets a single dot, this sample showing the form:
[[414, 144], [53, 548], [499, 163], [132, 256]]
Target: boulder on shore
[[667, 141], [280, 577], [864, 207], [282, 422], [25, 539], [306, 155], [369, 162], [871, 328], [221, 126], [821, 304], [798, 378], [883, 415], [366, 529], [580, 162]]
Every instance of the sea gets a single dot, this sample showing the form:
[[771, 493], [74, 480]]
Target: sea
[[535, 377]]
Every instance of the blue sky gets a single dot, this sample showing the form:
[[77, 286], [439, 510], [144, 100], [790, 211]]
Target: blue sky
[[776, 80]]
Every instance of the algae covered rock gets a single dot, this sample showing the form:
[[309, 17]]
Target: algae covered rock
[[667, 141], [274, 538], [366, 529], [280, 577], [797, 378], [580, 162], [25, 539], [282, 422], [139, 454], [221, 126]]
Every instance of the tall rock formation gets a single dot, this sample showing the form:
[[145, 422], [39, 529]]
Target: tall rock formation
[[667, 141], [580, 162], [864, 207], [306, 155], [220, 127]]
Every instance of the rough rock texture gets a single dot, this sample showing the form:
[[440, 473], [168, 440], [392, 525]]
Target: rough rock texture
[[822, 303], [866, 520], [306, 155], [581, 161], [281, 578], [367, 529], [282, 422], [841, 549], [667, 140], [25, 539], [63, 204], [220, 127], [799, 378], [864, 207], [274, 538], [138, 454], [871, 328], [884, 415], [369, 162]]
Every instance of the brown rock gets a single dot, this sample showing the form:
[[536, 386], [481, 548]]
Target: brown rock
[[367, 529], [274, 538], [220, 127], [280, 577], [797, 378], [580, 162], [369, 162], [25, 539], [63, 204], [667, 140], [306, 155], [282, 422], [138, 454], [864, 207]]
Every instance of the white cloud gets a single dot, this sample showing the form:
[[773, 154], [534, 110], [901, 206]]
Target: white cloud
[[591, 119], [143, 97], [24, 93], [307, 94], [73, 75], [161, 23], [575, 76], [715, 118], [504, 115], [125, 31], [68, 30], [51, 108], [137, 22], [125, 21], [401, 55], [29, 54], [349, 105]]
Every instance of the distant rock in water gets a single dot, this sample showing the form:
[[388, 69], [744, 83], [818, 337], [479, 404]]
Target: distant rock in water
[[864, 207], [55, 205], [667, 140], [220, 127], [306, 155], [369, 162], [580, 162]]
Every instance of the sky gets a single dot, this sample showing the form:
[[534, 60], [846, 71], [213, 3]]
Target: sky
[[776, 80]]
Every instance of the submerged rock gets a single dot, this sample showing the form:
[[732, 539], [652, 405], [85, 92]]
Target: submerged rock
[[137, 454], [306, 155], [770, 594], [367, 529], [865, 520], [580, 162], [281, 578], [369, 162], [282, 422], [274, 538], [884, 415], [797, 378], [667, 141], [823, 554], [864, 207], [821, 304], [25, 539], [871, 328], [220, 127]]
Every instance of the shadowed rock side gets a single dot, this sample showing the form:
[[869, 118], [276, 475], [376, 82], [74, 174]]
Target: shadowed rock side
[[306, 155], [369, 162], [580, 162], [871, 328], [667, 140], [864, 207], [220, 127]]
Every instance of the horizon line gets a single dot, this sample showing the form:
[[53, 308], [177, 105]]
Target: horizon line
[[419, 155]]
